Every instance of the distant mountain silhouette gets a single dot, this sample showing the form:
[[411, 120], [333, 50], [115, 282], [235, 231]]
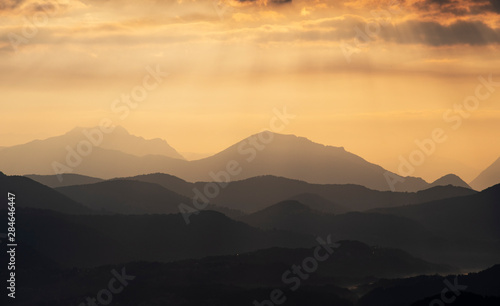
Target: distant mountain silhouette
[[474, 216], [450, 232], [168, 181], [35, 195], [241, 195], [450, 179], [118, 154], [132, 197], [121, 140], [441, 192], [67, 179], [370, 228], [436, 166], [489, 177], [266, 153], [297, 158], [469, 221]]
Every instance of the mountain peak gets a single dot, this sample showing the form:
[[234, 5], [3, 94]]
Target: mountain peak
[[450, 179], [290, 138], [121, 140]]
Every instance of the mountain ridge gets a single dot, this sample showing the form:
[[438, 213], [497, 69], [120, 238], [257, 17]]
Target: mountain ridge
[[264, 153]]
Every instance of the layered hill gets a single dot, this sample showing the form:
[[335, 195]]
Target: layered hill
[[93, 240], [242, 195], [29, 193], [450, 179], [120, 154]]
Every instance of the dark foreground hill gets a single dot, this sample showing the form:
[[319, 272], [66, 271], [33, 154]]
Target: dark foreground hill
[[246, 279], [29, 193], [238, 279], [481, 288], [92, 240], [449, 231]]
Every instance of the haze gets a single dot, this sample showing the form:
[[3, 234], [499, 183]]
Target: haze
[[231, 63]]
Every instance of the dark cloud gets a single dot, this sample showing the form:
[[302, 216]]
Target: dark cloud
[[471, 33], [7, 5], [281, 1], [429, 33], [29, 7], [456, 7], [270, 1], [440, 2], [42, 7], [435, 34], [494, 6]]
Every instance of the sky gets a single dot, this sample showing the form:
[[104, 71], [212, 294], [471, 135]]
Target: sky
[[375, 77]]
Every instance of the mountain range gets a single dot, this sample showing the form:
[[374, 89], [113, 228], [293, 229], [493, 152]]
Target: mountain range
[[121, 154], [388, 245], [29, 193], [239, 195], [430, 233]]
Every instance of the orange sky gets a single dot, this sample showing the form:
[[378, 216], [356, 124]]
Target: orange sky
[[230, 63]]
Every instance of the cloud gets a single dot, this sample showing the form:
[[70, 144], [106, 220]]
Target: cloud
[[8, 5], [265, 2], [472, 33], [494, 6], [459, 7], [431, 33]]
